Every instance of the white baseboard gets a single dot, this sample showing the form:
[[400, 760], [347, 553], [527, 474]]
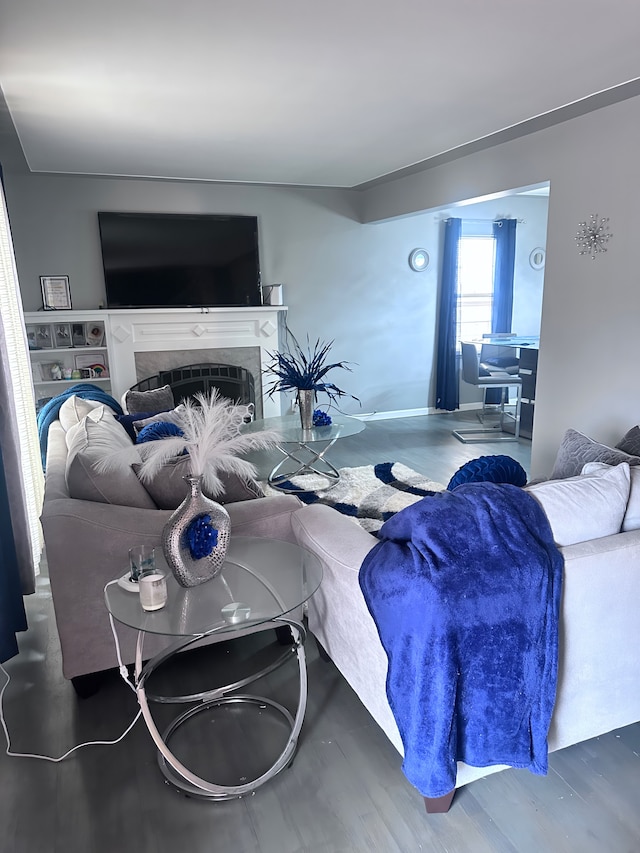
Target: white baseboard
[[414, 413]]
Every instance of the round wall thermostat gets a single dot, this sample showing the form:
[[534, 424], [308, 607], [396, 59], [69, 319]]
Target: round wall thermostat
[[537, 258], [419, 260]]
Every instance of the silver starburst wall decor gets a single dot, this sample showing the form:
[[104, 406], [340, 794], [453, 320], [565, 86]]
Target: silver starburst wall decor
[[593, 236]]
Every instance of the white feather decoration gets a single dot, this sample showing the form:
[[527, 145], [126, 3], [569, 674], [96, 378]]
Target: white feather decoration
[[212, 437]]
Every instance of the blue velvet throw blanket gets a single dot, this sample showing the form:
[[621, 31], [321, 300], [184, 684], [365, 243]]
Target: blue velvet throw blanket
[[49, 412], [464, 588]]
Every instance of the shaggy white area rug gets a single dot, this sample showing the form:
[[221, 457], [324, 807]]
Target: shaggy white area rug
[[370, 494]]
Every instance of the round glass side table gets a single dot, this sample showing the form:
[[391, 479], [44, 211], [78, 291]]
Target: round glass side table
[[299, 457], [261, 585]]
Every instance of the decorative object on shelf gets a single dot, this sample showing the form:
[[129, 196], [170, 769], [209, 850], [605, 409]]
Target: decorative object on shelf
[[92, 361], [419, 260], [94, 334], [44, 338], [537, 258], [321, 418], [62, 335], [56, 294], [300, 371], [56, 371], [211, 436], [78, 336], [593, 236]]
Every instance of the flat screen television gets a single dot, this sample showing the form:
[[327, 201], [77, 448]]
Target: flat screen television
[[159, 260]]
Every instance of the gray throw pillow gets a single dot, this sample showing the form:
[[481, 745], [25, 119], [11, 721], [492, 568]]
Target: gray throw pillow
[[158, 400], [168, 488], [631, 442], [576, 449], [98, 435]]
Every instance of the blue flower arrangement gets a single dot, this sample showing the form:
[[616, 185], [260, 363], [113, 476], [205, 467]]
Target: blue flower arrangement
[[296, 369], [201, 536], [321, 418]]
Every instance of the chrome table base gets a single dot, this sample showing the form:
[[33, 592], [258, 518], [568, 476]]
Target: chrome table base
[[174, 771]]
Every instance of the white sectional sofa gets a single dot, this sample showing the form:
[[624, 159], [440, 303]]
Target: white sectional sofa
[[598, 687]]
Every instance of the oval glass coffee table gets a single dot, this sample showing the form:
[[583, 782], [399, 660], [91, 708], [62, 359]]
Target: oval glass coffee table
[[262, 586], [295, 445]]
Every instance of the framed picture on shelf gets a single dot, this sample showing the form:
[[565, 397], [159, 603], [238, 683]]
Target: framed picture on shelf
[[56, 294], [32, 336], [44, 337], [62, 335], [78, 335], [94, 334], [95, 364], [50, 371]]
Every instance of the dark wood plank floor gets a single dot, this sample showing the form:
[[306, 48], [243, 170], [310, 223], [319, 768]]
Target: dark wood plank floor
[[345, 790]]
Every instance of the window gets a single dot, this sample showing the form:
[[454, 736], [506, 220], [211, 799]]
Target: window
[[475, 286]]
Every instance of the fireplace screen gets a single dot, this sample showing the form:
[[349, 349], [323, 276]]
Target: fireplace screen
[[233, 382]]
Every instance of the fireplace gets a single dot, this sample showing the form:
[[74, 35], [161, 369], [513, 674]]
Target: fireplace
[[147, 343], [233, 382]]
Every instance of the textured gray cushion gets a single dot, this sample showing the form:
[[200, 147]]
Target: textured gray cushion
[[168, 488], [158, 400], [74, 409], [98, 435], [577, 449], [631, 442], [583, 508]]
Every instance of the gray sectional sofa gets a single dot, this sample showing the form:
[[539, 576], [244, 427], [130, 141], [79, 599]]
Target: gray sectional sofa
[[87, 543]]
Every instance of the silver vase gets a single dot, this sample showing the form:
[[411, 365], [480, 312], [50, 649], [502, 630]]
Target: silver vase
[[188, 570], [306, 400]]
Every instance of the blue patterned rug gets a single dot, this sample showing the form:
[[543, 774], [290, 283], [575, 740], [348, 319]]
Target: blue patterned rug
[[369, 494]]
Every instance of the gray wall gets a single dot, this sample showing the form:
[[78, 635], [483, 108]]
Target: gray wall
[[350, 282], [587, 377]]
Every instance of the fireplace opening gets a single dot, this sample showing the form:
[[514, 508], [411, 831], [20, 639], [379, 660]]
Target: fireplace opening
[[235, 383]]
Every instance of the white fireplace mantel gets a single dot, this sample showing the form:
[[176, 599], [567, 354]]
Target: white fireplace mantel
[[168, 330]]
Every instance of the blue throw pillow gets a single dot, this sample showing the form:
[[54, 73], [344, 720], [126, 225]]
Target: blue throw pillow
[[160, 429], [128, 421], [490, 469]]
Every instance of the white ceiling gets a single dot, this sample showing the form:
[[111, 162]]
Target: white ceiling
[[335, 93]]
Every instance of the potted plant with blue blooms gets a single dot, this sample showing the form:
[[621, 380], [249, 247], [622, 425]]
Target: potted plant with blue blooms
[[305, 372]]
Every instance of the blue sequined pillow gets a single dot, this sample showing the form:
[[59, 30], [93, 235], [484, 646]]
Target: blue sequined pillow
[[490, 469], [160, 429]]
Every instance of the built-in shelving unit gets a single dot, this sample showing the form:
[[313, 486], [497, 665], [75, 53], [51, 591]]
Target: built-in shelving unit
[[67, 347]]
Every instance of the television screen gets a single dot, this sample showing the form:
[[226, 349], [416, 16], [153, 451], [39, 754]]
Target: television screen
[[179, 260]]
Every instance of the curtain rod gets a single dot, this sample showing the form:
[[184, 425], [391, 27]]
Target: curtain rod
[[483, 221]]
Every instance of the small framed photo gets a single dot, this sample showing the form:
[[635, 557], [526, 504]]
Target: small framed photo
[[56, 294], [62, 335], [94, 334], [78, 335], [32, 337], [44, 337]]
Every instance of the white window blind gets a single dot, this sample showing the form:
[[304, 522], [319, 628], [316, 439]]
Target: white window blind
[[17, 367], [476, 258]]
